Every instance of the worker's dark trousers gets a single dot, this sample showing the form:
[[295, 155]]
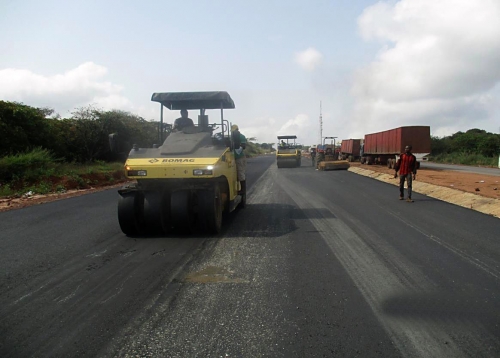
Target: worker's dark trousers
[[243, 184], [402, 178]]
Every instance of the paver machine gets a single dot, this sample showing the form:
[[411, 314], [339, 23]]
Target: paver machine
[[288, 154], [327, 157], [188, 181]]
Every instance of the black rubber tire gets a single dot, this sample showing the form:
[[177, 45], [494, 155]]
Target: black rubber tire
[[182, 211], [156, 213], [210, 210], [131, 213]]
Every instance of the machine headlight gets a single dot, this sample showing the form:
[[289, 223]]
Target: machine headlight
[[202, 171], [137, 173]]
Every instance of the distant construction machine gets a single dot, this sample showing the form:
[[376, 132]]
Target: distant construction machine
[[288, 154], [326, 157]]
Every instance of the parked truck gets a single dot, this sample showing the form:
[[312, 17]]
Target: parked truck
[[385, 147], [350, 149]]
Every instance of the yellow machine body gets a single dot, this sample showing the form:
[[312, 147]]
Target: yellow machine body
[[222, 168], [289, 154]]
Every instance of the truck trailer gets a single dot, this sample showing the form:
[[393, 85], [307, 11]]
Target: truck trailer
[[350, 149], [385, 147]]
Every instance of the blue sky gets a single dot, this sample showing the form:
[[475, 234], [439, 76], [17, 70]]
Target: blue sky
[[374, 65]]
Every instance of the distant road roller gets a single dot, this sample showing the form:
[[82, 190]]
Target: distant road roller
[[189, 181], [288, 154]]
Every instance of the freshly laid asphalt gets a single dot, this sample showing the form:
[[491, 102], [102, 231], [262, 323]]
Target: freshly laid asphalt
[[319, 264]]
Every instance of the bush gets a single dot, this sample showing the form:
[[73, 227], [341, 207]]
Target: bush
[[40, 188], [26, 166], [465, 159], [253, 150]]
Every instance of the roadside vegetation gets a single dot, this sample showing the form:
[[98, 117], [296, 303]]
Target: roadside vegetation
[[474, 147], [254, 149], [38, 172]]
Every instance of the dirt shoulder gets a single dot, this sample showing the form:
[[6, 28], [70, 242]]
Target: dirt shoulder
[[479, 184], [12, 203], [472, 191]]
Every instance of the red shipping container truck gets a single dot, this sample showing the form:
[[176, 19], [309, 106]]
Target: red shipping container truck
[[385, 147], [350, 149]]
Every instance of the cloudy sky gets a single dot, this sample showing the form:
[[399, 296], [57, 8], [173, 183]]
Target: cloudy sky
[[373, 65]]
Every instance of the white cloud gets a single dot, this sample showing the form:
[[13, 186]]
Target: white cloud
[[309, 59], [295, 125], [266, 129], [438, 64], [63, 92]]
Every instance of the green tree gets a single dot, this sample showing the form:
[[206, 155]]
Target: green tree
[[88, 133], [438, 145], [23, 128], [489, 145], [92, 128], [130, 129]]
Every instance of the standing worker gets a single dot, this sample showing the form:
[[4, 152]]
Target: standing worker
[[407, 167], [313, 155], [240, 141]]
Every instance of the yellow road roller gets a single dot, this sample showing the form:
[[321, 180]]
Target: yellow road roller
[[288, 154], [187, 182]]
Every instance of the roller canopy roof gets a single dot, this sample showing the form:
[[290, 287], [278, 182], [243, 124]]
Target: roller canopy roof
[[194, 100], [287, 137]]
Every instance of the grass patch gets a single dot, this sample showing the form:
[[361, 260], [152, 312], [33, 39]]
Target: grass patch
[[37, 172], [28, 166]]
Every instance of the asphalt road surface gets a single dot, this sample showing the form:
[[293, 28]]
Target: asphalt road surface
[[461, 168], [319, 264]]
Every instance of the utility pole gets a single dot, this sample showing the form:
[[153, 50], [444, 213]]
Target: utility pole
[[320, 124]]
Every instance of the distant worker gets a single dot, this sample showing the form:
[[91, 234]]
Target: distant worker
[[407, 167], [313, 155], [240, 141], [183, 121], [282, 144]]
